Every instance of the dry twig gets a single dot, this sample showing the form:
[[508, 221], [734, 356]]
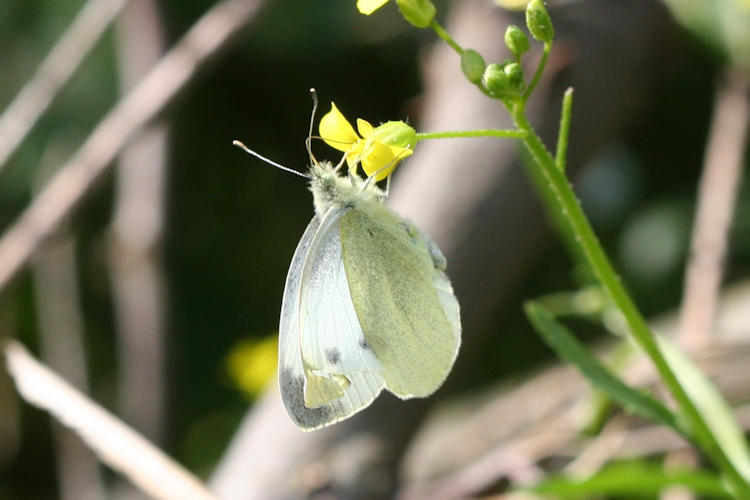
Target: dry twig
[[56, 69], [135, 263], [717, 195], [155, 91], [117, 445], [62, 348]]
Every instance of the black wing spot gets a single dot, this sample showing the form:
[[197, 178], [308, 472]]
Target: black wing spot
[[364, 345], [333, 355]]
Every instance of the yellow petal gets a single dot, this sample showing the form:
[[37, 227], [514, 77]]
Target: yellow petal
[[400, 153], [336, 131], [379, 158], [353, 157], [367, 7], [365, 129]]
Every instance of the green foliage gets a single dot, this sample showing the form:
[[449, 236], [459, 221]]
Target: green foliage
[[712, 405], [628, 479], [724, 25], [567, 347]]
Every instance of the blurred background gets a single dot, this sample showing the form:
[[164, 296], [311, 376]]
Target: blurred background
[[157, 293]]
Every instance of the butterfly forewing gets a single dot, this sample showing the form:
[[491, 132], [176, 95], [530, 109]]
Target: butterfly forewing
[[332, 374]]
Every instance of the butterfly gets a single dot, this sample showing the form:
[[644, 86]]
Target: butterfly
[[367, 305]]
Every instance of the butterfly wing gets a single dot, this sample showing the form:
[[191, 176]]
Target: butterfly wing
[[402, 297], [326, 371]]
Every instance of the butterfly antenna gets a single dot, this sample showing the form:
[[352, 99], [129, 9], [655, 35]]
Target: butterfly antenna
[[308, 141], [340, 164], [269, 161]]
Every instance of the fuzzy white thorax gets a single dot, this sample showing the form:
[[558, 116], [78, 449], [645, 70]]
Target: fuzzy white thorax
[[330, 188]]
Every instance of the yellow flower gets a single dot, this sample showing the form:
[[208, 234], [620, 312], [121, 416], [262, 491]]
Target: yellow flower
[[367, 7], [252, 363], [373, 148], [420, 13]]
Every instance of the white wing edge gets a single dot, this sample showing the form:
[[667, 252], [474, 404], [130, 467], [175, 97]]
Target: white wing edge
[[291, 377], [334, 364]]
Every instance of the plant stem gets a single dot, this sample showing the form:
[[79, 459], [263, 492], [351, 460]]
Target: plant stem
[[513, 134], [592, 250], [539, 70], [562, 136], [446, 37]]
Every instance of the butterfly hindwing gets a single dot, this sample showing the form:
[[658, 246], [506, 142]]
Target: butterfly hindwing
[[403, 299]]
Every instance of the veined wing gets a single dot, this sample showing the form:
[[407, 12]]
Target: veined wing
[[404, 301], [333, 372]]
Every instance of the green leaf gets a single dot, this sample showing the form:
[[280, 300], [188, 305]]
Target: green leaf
[[632, 478], [564, 343], [722, 24], [712, 405]]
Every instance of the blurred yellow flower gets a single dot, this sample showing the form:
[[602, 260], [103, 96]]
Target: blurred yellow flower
[[252, 363], [367, 7], [518, 5], [369, 148]]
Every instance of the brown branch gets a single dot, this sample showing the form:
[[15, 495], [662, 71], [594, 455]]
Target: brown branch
[[117, 445], [155, 91], [62, 347], [56, 69], [135, 235], [717, 195]]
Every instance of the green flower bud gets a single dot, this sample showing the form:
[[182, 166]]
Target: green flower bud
[[516, 40], [472, 64], [539, 22], [396, 133], [420, 13], [496, 80], [514, 71]]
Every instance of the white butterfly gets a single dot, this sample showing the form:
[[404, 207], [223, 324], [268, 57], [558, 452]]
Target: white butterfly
[[366, 306]]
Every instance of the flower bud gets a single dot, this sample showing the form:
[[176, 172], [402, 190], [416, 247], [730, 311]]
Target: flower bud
[[516, 40], [539, 22], [396, 133], [420, 13], [472, 64], [515, 75], [496, 80]]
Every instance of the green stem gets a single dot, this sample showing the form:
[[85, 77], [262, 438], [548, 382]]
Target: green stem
[[562, 138], [446, 37], [513, 134], [568, 203], [556, 218], [539, 70], [459, 50]]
